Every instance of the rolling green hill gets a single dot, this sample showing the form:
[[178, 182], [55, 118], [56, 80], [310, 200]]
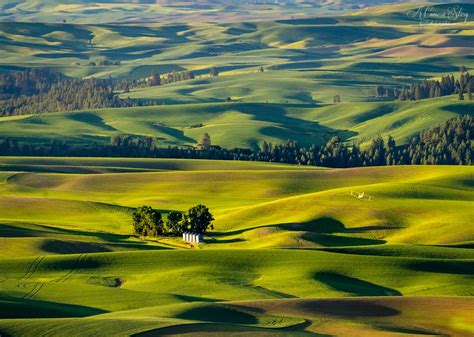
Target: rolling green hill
[[367, 266], [306, 63], [81, 11], [239, 124], [295, 250]]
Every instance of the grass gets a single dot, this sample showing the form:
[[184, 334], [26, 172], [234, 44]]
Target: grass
[[292, 252], [251, 201], [306, 62], [285, 237], [148, 298], [239, 124]]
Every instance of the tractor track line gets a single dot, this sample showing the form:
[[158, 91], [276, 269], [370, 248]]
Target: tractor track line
[[41, 285], [29, 268], [81, 258], [30, 272]]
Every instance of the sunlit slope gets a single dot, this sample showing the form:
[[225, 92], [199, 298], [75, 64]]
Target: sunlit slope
[[366, 317], [376, 316], [113, 286], [305, 60], [239, 124], [273, 206], [105, 11]]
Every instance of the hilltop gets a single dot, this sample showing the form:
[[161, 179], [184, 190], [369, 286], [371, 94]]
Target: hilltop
[[305, 63]]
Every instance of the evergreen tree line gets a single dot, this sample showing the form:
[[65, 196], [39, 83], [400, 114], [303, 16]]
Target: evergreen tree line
[[447, 144], [38, 91], [448, 85], [150, 222], [155, 79], [29, 82]]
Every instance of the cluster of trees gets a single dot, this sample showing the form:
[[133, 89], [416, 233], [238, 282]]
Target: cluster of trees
[[447, 144], [150, 222], [29, 82], [156, 79], [107, 62], [450, 143], [41, 90], [448, 85], [178, 77], [65, 95]]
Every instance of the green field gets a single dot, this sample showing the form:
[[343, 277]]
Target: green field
[[306, 63], [243, 125], [293, 252], [70, 265]]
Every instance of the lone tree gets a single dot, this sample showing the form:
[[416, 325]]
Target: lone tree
[[154, 80], [200, 219], [206, 141], [214, 72], [147, 221]]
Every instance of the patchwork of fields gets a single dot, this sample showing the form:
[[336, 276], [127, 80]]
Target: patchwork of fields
[[70, 265], [294, 251], [306, 62]]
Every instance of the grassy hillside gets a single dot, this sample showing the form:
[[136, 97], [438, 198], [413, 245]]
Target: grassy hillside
[[146, 291], [239, 124], [306, 63], [256, 205], [169, 11], [293, 251], [367, 267]]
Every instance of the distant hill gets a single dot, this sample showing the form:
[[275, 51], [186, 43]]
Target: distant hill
[[306, 62], [106, 11]]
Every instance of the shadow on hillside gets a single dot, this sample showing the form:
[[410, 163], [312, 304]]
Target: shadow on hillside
[[91, 119], [72, 247], [459, 109], [75, 241], [325, 231], [173, 133], [349, 308], [353, 286], [406, 331], [223, 241], [187, 298], [221, 329], [13, 307], [9, 231], [218, 314], [304, 131], [444, 267]]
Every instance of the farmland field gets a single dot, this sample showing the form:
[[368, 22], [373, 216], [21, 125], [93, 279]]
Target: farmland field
[[305, 63], [69, 261], [375, 244]]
